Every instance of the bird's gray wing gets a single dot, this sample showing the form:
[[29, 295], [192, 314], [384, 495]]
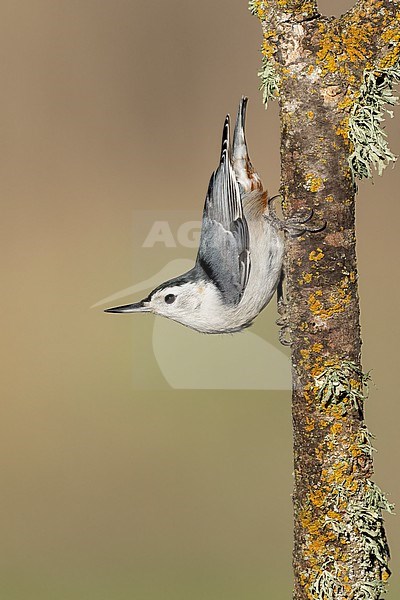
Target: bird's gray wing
[[224, 252]]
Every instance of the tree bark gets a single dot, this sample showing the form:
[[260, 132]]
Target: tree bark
[[340, 548]]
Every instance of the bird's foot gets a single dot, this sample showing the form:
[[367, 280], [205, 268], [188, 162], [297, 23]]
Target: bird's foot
[[294, 226], [285, 337], [283, 322]]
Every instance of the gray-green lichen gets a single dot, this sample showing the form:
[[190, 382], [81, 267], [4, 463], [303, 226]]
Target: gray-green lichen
[[345, 385], [365, 590], [269, 81], [253, 7], [365, 441], [365, 122], [339, 383], [366, 517], [326, 586]]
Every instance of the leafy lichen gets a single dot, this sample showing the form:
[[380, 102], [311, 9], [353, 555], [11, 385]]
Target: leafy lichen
[[364, 441], [257, 8], [338, 383], [365, 514], [370, 146], [327, 586], [253, 7], [269, 81], [343, 505]]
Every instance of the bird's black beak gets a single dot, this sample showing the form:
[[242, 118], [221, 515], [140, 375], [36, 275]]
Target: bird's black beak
[[130, 308]]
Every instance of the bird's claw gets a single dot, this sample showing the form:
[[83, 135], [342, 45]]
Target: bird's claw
[[298, 220], [284, 330], [285, 337], [294, 226], [283, 320]]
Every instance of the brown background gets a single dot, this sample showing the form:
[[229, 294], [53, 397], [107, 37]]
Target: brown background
[[109, 491]]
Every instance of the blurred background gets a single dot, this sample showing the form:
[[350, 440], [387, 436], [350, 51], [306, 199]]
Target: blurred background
[[121, 477]]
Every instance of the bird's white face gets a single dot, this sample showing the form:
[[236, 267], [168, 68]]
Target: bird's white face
[[188, 303], [176, 300]]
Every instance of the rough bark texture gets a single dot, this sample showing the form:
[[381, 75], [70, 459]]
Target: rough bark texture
[[340, 549]]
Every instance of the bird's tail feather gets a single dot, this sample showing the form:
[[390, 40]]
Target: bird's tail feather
[[247, 177]]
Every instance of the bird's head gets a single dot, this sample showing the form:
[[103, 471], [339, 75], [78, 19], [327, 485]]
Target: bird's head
[[182, 299]]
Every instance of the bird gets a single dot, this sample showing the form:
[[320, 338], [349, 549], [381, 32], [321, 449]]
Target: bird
[[240, 256]]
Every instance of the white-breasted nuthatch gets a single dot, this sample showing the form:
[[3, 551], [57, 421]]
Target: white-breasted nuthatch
[[239, 261]]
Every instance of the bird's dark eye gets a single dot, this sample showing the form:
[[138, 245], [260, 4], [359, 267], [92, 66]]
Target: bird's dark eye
[[170, 298]]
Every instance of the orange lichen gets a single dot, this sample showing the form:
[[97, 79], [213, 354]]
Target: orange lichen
[[336, 428], [343, 128], [355, 451], [335, 303], [313, 183], [347, 43], [316, 255], [306, 278], [311, 360], [316, 347], [317, 497], [258, 8], [334, 515], [355, 384], [340, 46], [310, 424], [268, 48], [306, 8]]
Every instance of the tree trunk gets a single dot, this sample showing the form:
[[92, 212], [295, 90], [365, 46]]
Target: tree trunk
[[320, 67]]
